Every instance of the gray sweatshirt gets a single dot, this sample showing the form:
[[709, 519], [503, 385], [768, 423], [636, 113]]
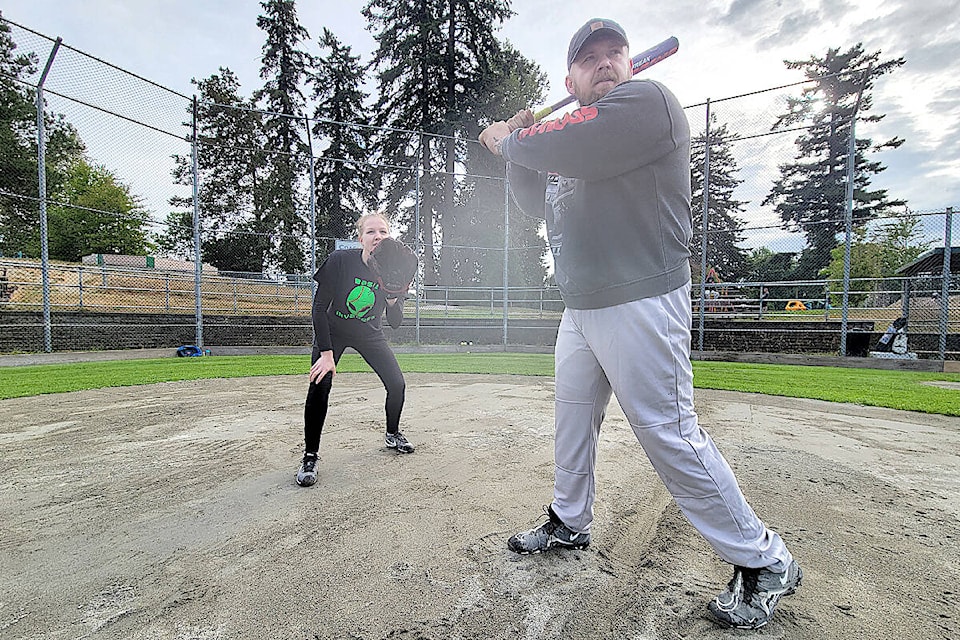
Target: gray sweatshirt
[[612, 180]]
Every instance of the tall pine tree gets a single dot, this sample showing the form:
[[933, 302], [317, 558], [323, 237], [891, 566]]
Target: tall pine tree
[[428, 61], [284, 66], [345, 184], [229, 157], [510, 83], [724, 229], [810, 194]]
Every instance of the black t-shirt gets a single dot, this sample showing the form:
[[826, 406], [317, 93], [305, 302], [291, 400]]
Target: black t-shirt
[[348, 300]]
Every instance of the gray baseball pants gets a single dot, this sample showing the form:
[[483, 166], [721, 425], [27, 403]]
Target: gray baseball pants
[[640, 351]]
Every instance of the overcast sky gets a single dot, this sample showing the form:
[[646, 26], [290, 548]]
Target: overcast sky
[[727, 48]]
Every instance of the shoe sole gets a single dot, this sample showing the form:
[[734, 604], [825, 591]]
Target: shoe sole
[[726, 624], [398, 449], [552, 545]]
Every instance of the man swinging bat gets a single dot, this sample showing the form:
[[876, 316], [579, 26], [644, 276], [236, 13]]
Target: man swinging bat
[[619, 224]]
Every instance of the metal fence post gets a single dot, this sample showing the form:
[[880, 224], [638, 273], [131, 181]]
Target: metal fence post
[[945, 285], [42, 193], [848, 234], [848, 209], [506, 252], [197, 265], [418, 244], [313, 205], [703, 232]]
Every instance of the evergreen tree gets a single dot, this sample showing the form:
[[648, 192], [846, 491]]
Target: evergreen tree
[[764, 265], [724, 230], [810, 194], [233, 233], [429, 63], [408, 64], [510, 83], [284, 66], [345, 184]]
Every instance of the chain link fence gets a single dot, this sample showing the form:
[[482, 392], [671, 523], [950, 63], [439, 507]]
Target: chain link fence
[[182, 226]]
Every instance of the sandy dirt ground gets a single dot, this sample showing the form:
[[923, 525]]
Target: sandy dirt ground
[[170, 512]]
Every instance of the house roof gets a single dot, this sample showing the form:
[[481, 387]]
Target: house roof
[[931, 263]]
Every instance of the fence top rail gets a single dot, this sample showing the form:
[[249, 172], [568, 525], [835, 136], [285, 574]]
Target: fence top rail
[[92, 57]]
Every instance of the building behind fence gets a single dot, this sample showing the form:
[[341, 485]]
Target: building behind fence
[[496, 292]]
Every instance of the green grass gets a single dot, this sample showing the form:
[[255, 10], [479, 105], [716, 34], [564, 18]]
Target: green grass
[[59, 378], [905, 390], [893, 389]]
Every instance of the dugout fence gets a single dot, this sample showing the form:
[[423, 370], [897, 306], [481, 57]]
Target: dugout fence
[[486, 266]]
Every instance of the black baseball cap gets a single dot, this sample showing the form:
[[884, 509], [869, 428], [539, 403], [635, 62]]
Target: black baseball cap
[[587, 30]]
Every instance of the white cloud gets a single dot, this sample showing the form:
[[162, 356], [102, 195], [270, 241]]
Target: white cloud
[[727, 48]]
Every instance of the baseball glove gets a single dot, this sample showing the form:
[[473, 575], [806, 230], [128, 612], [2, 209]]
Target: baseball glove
[[395, 266]]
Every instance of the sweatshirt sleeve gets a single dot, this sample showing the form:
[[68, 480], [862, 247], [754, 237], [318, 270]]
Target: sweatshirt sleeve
[[636, 123], [326, 276]]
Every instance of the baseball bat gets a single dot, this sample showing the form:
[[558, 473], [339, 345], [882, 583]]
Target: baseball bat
[[638, 63]]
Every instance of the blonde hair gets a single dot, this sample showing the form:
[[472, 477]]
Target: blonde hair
[[376, 214]]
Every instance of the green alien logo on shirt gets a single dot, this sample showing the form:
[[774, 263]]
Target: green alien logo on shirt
[[360, 300]]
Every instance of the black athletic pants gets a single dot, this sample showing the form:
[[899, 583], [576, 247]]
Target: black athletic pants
[[379, 356]]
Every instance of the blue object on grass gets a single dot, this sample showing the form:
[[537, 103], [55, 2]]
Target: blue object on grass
[[189, 351]]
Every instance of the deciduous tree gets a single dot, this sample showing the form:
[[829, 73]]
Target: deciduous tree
[[98, 214]]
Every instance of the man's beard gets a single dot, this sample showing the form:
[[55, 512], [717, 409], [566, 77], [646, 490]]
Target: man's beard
[[595, 92]]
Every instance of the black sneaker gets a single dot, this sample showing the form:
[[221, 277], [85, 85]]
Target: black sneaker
[[307, 473], [752, 595], [398, 442], [552, 533]]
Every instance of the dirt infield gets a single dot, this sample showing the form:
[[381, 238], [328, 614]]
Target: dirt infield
[[170, 512]]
